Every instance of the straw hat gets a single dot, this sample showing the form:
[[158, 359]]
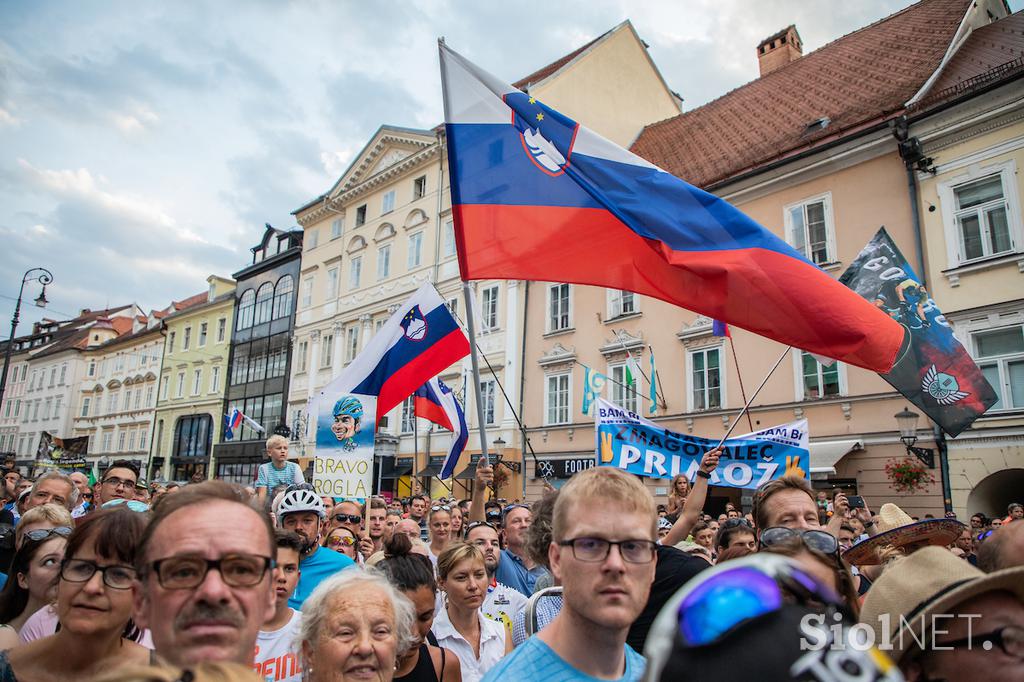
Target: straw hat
[[900, 604], [897, 529]]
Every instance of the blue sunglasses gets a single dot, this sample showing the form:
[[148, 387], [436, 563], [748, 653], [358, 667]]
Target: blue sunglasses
[[730, 598], [134, 505]]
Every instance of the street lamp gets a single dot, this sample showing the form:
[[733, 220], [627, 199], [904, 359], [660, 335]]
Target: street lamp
[[44, 277], [906, 421], [499, 447]]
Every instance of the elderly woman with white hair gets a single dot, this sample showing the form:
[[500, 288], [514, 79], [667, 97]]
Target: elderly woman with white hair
[[353, 626]]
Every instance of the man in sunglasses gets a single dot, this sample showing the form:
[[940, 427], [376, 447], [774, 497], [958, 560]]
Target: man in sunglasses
[[347, 514], [203, 592], [118, 482]]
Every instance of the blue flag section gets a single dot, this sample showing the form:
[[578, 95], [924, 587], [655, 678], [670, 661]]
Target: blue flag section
[[631, 443], [934, 371]]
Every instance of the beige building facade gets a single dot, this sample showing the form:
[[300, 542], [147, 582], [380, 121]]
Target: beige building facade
[[385, 228]]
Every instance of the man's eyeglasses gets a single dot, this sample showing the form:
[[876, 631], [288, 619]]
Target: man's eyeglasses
[[819, 540], [119, 482], [351, 518], [41, 534], [81, 571], [187, 572], [1009, 638], [597, 549]]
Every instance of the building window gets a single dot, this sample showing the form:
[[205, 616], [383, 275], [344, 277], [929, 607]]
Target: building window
[[214, 379], [301, 351], [149, 396], [186, 342], [312, 237], [327, 350], [415, 250], [620, 303], [705, 379], [487, 394], [489, 308], [809, 229], [142, 439], [108, 437], [86, 402], [181, 385], [57, 403], [355, 272], [817, 380], [165, 387], [332, 284], [222, 327], [981, 218], [307, 292], [361, 215], [170, 345], [351, 343], [383, 262], [264, 303], [558, 307], [197, 381], [138, 399], [63, 374], [192, 436], [92, 369], [448, 240], [283, 294], [121, 437], [419, 187], [337, 227], [1000, 354], [246, 308], [47, 408], [623, 394], [556, 399], [203, 327], [387, 204], [453, 306], [408, 416]]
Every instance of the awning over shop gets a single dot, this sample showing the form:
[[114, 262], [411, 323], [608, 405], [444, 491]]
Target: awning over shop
[[401, 467], [825, 455], [469, 473], [433, 468]]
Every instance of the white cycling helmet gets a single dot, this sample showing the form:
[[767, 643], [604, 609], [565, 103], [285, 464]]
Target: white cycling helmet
[[300, 498]]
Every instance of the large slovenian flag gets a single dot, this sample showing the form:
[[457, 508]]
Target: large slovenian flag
[[537, 196], [418, 342], [436, 402]]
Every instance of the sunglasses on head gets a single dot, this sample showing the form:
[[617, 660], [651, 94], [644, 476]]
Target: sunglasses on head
[[478, 524], [818, 540], [732, 523], [493, 515], [441, 507], [43, 533], [351, 518]]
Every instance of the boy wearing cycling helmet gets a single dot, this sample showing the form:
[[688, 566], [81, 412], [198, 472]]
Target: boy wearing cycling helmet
[[301, 511]]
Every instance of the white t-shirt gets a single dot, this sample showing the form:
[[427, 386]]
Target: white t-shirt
[[277, 654], [503, 603]]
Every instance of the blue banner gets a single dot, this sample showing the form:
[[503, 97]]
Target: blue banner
[[631, 443]]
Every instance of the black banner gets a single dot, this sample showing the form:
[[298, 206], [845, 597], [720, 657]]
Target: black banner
[[933, 371], [562, 468], [62, 453]]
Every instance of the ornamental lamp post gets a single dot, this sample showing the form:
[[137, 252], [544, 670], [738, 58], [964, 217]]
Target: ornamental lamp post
[[906, 421], [44, 277]]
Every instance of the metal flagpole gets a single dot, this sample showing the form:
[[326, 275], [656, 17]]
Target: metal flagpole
[[747, 406], [471, 322], [739, 377]]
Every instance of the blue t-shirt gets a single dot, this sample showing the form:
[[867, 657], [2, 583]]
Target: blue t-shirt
[[323, 563], [270, 477], [535, 660], [513, 572]]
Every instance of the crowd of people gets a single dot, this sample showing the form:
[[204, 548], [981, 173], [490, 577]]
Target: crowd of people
[[214, 581]]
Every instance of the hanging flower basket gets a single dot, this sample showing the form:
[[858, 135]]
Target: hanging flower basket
[[908, 475]]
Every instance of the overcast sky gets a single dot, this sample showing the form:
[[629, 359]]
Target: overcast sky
[[143, 145]]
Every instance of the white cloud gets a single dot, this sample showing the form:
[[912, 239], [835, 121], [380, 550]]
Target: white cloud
[[8, 119]]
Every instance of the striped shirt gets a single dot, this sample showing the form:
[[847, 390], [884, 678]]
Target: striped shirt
[[535, 660], [270, 477]]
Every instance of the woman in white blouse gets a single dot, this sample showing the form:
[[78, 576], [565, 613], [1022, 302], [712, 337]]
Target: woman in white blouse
[[460, 626]]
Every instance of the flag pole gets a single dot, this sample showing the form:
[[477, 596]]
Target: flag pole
[[739, 377], [747, 406], [471, 322]]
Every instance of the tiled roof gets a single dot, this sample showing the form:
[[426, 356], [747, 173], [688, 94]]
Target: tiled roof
[[854, 81], [190, 301], [542, 73], [991, 52]]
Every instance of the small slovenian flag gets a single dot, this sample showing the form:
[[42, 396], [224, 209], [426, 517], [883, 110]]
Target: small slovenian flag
[[233, 421], [436, 402], [720, 329]]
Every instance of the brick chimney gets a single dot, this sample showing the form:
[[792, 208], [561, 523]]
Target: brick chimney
[[780, 49]]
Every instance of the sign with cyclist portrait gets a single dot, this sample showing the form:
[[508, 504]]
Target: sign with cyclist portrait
[[628, 441], [343, 462]]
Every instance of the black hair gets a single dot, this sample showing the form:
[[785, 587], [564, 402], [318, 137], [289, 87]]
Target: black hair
[[403, 569], [727, 531], [122, 464], [287, 539], [14, 597]]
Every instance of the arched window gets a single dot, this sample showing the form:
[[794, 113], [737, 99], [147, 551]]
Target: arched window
[[284, 296], [264, 303], [246, 308]]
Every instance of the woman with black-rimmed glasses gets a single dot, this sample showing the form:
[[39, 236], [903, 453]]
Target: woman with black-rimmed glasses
[[94, 605], [32, 580]]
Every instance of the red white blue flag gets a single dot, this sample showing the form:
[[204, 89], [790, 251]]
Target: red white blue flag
[[537, 196], [720, 329], [418, 342], [436, 402]]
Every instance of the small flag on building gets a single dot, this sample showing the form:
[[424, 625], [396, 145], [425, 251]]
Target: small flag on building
[[234, 420], [720, 329], [593, 384], [653, 407]]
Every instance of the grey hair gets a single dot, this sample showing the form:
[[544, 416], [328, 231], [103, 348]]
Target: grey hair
[[356, 580], [72, 500]]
